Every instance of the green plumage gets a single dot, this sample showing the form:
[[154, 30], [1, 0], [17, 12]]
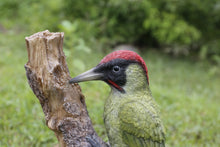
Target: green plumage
[[132, 118]]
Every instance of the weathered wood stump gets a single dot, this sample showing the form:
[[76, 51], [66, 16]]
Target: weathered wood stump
[[63, 104]]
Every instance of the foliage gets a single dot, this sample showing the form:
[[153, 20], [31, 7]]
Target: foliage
[[32, 15], [109, 18], [180, 27], [184, 27], [204, 17]]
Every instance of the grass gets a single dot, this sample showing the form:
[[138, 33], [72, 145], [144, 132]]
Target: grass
[[187, 92]]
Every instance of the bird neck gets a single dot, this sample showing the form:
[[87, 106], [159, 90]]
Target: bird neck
[[136, 88], [136, 81]]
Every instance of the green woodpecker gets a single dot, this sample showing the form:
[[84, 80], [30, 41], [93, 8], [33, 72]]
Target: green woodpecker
[[131, 115]]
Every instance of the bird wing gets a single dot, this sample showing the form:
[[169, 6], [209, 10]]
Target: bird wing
[[140, 125]]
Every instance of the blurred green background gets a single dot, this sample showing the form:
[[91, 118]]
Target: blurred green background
[[179, 41]]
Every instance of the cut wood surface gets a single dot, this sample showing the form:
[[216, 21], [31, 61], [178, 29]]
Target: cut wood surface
[[63, 104]]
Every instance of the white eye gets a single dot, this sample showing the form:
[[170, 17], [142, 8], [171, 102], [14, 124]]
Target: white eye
[[116, 68]]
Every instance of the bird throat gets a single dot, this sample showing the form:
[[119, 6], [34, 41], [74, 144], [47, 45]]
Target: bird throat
[[116, 86]]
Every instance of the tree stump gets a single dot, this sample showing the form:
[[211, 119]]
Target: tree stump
[[63, 104]]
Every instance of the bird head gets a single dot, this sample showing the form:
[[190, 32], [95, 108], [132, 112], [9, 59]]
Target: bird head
[[123, 70]]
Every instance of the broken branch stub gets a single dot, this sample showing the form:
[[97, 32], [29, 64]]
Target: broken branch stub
[[63, 104]]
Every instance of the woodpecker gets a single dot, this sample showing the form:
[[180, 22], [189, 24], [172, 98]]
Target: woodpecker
[[131, 115]]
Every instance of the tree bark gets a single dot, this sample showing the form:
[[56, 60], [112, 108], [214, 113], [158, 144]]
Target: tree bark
[[63, 104]]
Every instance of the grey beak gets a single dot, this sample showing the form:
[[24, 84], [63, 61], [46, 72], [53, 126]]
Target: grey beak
[[87, 76]]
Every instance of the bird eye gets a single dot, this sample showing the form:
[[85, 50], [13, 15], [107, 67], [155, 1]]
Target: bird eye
[[116, 68]]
